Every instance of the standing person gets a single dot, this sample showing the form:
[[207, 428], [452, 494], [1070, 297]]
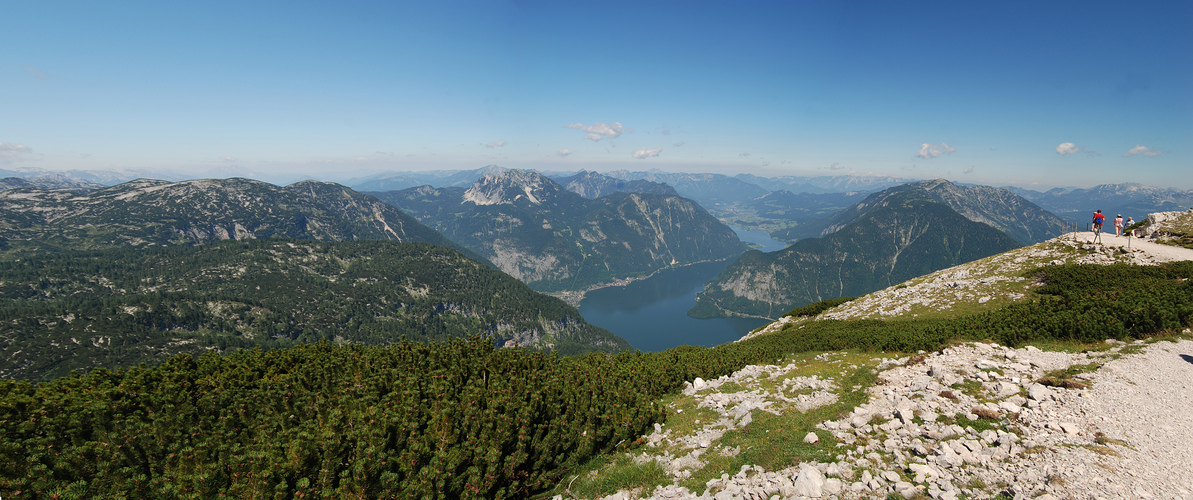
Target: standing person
[[1130, 222], [1098, 220], [1118, 225]]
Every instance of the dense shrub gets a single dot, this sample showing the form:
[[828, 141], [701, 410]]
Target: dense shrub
[[818, 307], [456, 419]]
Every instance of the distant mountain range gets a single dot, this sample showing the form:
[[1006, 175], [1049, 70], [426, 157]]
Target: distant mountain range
[[821, 184], [121, 307], [555, 240], [787, 216], [393, 181], [106, 177], [707, 189], [1129, 199], [908, 234], [146, 213], [788, 208], [48, 182], [593, 185]]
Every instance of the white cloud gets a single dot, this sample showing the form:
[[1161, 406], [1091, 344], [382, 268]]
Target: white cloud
[[836, 166], [563, 153], [679, 144], [10, 152], [495, 144], [644, 153], [1141, 150], [930, 151], [968, 170], [765, 163], [743, 154], [1067, 148], [598, 130]]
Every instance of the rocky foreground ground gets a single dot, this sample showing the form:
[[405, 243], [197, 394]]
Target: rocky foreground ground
[[974, 420], [971, 421]]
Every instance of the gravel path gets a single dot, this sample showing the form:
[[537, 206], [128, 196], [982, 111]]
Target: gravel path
[[1146, 401], [1157, 251]]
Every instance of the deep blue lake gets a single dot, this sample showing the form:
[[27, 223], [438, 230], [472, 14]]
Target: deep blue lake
[[652, 314]]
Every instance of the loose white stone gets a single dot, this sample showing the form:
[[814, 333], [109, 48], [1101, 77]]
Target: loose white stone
[[810, 482]]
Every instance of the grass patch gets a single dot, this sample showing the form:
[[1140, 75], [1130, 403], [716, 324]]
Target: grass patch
[[1103, 440], [1101, 450], [605, 475], [984, 413], [684, 417], [980, 425], [777, 441], [730, 387], [971, 387], [1065, 377], [1039, 448], [1071, 346]]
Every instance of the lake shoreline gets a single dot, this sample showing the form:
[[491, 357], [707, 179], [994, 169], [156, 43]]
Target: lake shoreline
[[574, 297]]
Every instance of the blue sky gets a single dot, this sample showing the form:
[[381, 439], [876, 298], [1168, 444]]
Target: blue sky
[[1033, 93]]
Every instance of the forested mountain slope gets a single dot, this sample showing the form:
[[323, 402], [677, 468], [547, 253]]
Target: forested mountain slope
[[908, 235], [146, 213], [1008, 212], [118, 308], [709, 190], [556, 240]]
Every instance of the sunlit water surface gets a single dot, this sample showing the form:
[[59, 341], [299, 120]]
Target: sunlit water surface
[[652, 314]]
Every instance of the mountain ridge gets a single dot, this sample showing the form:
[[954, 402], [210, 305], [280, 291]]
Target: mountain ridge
[[907, 235], [146, 212], [117, 308], [996, 207], [558, 241]]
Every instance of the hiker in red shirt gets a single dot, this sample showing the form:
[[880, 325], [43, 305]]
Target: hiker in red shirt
[[1098, 220]]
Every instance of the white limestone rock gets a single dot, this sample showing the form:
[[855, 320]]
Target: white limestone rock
[[809, 483]]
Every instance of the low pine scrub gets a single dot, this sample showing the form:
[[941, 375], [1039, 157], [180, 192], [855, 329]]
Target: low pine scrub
[[457, 419]]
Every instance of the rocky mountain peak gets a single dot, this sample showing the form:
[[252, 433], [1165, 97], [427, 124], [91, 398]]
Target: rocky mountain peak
[[510, 187]]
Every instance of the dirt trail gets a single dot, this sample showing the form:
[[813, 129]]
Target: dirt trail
[[1158, 251]]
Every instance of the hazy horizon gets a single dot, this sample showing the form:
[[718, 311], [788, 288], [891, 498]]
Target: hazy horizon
[[351, 177]]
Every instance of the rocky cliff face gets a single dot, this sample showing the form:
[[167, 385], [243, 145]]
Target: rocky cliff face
[[556, 240], [146, 213], [903, 236]]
